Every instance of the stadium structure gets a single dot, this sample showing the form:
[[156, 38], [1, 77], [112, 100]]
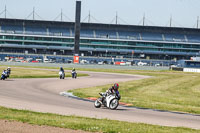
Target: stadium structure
[[100, 40]]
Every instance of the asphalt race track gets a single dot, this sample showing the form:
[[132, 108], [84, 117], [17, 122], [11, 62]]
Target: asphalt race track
[[42, 95]]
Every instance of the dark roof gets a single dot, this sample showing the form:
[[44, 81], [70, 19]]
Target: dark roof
[[116, 27]]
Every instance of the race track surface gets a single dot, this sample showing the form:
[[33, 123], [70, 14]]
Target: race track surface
[[42, 95]]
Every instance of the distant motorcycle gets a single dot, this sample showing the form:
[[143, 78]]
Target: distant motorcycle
[[74, 74], [4, 75], [109, 100], [61, 75]]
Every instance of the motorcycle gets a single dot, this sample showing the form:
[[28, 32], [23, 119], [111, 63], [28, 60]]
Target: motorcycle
[[62, 75], [109, 100], [74, 74], [3, 76]]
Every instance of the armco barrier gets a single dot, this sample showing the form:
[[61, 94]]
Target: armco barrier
[[191, 70]]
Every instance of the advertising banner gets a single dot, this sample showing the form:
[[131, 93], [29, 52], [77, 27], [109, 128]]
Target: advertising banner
[[76, 59]]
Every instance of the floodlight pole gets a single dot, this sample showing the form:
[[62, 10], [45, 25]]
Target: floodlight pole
[[116, 18], [33, 13], [170, 24], [61, 15], [5, 11], [197, 22], [89, 17], [143, 19]]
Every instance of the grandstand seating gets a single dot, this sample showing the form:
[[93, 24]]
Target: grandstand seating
[[12, 29], [100, 33], [193, 38], [174, 37], [59, 31], [87, 33], [35, 30], [152, 36], [129, 35], [106, 34]]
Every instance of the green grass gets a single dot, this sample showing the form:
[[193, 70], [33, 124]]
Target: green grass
[[21, 72], [165, 90], [86, 124]]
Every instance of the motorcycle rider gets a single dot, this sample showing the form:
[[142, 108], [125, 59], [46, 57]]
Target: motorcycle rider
[[73, 73], [8, 71], [3, 75], [61, 69], [62, 73], [73, 70], [114, 90]]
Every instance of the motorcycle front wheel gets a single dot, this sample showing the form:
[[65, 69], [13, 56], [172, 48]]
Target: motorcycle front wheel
[[97, 104], [114, 104]]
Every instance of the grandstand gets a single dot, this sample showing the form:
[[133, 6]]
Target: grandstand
[[101, 40]]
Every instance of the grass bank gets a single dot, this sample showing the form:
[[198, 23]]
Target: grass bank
[[166, 90], [86, 124], [23, 72]]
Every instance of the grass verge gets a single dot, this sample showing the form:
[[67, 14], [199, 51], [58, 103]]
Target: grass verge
[[86, 124], [21, 72]]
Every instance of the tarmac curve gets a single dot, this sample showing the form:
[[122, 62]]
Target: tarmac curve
[[42, 95]]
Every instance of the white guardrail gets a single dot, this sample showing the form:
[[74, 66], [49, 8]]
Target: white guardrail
[[191, 70]]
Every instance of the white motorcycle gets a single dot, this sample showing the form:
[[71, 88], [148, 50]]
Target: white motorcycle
[[62, 75], [110, 101]]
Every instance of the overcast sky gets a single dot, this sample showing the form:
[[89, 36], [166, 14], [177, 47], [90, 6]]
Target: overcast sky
[[157, 12]]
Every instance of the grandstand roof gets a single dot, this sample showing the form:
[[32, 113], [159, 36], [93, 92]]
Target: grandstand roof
[[100, 26]]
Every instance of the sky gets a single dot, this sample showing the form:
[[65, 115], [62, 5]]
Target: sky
[[184, 13]]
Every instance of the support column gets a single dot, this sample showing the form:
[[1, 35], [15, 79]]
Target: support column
[[77, 28]]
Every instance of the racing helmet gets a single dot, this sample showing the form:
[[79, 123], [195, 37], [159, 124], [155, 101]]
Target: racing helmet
[[116, 86]]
